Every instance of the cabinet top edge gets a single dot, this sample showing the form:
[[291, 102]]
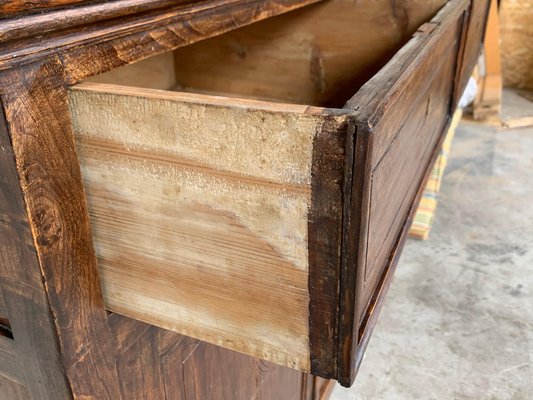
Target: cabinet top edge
[[29, 37]]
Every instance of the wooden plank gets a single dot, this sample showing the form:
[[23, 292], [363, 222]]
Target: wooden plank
[[325, 241], [386, 279], [323, 388], [126, 331], [280, 383], [142, 360], [3, 309], [123, 40], [154, 73], [312, 56], [10, 366], [173, 358], [12, 390], [489, 94], [22, 286], [154, 363], [36, 110], [408, 98], [493, 63], [396, 178], [55, 20], [474, 40], [516, 123], [9, 8], [238, 382], [209, 217]]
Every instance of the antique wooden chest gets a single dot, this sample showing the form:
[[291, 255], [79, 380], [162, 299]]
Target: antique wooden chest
[[246, 186]]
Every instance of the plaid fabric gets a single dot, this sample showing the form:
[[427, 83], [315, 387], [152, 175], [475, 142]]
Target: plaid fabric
[[425, 213]]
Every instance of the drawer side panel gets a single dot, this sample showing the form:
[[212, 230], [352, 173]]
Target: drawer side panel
[[200, 215]]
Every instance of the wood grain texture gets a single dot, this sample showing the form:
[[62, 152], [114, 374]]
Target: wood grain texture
[[385, 197], [210, 217], [156, 72], [516, 31], [37, 113], [43, 23], [146, 358], [325, 243], [396, 171], [157, 364], [12, 390], [400, 120], [35, 100], [123, 40], [3, 309], [10, 365], [477, 20], [9, 8], [402, 110], [26, 307], [319, 55]]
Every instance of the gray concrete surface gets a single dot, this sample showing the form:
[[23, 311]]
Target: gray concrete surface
[[458, 320]]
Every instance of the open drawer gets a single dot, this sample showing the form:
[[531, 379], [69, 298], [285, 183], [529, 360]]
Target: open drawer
[[253, 190]]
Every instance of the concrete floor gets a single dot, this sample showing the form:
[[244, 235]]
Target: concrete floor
[[458, 319]]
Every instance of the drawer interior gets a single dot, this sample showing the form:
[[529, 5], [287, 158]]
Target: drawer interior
[[319, 55], [199, 170]]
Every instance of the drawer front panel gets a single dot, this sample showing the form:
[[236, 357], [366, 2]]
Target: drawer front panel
[[399, 173], [405, 140], [401, 149], [401, 117]]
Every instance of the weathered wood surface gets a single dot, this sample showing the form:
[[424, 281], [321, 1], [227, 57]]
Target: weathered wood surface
[[12, 390], [10, 365], [3, 310], [153, 363], [54, 303], [401, 114], [70, 350], [26, 306], [8, 8], [49, 175], [210, 216], [475, 31], [325, 242], [126, 39], [410, 115], [43, 23], [319, 55]]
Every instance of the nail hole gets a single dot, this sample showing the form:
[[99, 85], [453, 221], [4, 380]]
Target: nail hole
[[5, 328]]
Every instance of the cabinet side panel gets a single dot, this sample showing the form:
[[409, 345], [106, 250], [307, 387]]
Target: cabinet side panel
[[68, 291], [25, 303]]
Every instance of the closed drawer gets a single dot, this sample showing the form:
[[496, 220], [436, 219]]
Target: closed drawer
[[238, 195]]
